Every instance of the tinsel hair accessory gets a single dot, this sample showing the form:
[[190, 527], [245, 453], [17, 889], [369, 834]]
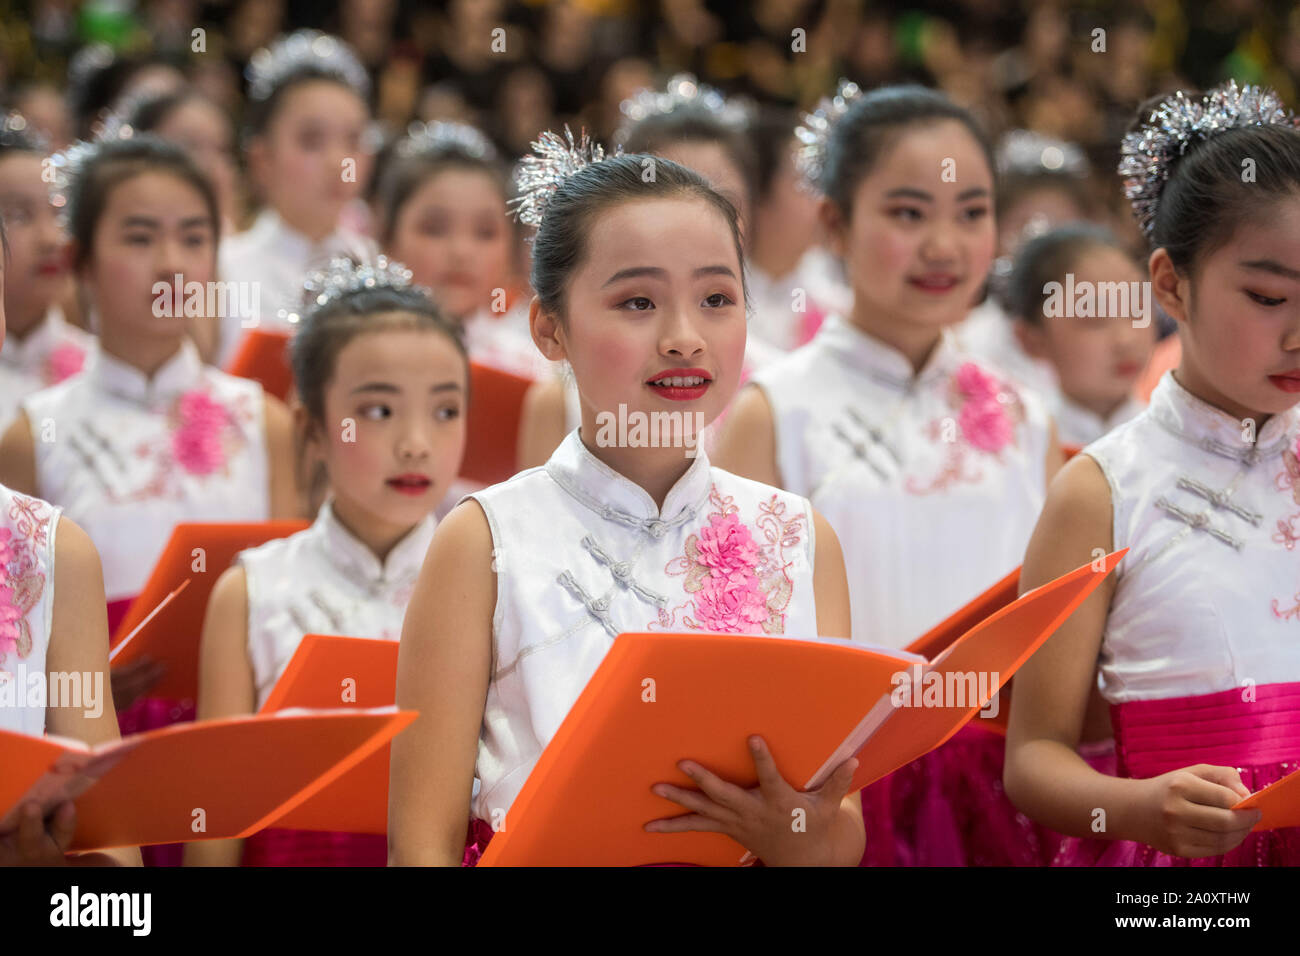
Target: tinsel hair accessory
[[1177, 124], [814, 134], [343, 277], [553, 160], [683, 91], [1023, 152], [304, 49], [439, 137]]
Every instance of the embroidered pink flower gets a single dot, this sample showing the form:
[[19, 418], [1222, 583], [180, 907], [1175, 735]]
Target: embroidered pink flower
[[64, 362], [197, 442], [975, 383], [9, 613], [983, 420], [730, 597]]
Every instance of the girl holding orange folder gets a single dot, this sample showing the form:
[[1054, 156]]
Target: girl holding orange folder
[[1193, 639], [383, 380], [919, 455], [638, 276], [51, 621]]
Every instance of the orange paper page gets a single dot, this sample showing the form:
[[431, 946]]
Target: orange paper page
[[241, 773], [1280, 802], [172, 636], [998, 645], [659, 698], [264, 357], [357, 802], [492, 429]]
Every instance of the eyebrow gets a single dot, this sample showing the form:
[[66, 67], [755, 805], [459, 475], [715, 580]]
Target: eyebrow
[[389, 388], [656, 273], [910, 192], [1270, 265]]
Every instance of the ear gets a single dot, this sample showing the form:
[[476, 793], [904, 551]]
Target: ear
[[1032, 338], [308, 433], [834, 225], [547, 334], [1171, 290]]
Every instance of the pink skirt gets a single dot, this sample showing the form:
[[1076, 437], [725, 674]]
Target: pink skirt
[[279, 847], [1260, 737], [949, 809]]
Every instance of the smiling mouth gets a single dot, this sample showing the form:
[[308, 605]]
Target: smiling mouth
[[410, 484], [937, 284]]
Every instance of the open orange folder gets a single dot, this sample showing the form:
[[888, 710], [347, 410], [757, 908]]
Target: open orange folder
[[1279, 801], [659, 698], [320, 671], [240, 772], [197, 553]]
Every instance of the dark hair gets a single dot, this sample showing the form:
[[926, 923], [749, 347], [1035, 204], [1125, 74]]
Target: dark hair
[[259, 113], [401, 175], [326, 330], [773, 135], [695, 124], [1046, 258], [1205, 200], [149, 112], [19, 140], [873, 123], [561, 241], [113, 163]]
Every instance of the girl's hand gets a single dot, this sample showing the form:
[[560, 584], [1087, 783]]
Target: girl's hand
[[39, 842], [764, 820], [1187, 811]]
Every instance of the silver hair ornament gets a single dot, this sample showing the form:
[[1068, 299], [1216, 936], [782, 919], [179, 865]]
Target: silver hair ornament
[[814, 134], [684, 91], [342, 277], [271, 66], [554, 159], [1177, 124], [1026, 153], [438, 137]]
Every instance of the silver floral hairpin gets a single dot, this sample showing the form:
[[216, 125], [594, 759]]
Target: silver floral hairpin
[[344, 276], [16, 131], [1147, 155], [1025, 152], [683, 91], [270, 66], [433, 139], [814, 134], [553, 160]]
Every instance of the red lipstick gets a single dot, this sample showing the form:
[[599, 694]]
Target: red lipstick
[[680, 384]]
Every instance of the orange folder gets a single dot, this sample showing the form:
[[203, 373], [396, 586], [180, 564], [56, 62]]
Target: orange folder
[[264, 357], [172, 635], [496, 406], [1280, 802], [331, 672], [658, 698], [232, 776]]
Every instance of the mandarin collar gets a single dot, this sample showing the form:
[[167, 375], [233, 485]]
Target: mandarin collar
[[1199, 423], [886, 364], [1075, 419], [615, 497], [352, 555], [293, 244], [180, 373]]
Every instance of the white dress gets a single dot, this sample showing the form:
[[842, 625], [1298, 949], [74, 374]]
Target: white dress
[[276, 259], [325, 581], [1076, 425], [987, 333], [27, 531], [127, 458], [51, 352], [504, 342], [942, 470], [779, 317], [581, 554], [1208, 597]]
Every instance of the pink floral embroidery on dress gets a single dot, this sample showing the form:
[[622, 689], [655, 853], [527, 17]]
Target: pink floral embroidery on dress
[[21, 581], [63, 362], [197, 443], [737, 584], [988, 412], [1288, 480]]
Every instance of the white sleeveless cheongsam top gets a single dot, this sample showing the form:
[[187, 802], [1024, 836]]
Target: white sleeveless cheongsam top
[[581, 553], [1208, 597], [127, 458]]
